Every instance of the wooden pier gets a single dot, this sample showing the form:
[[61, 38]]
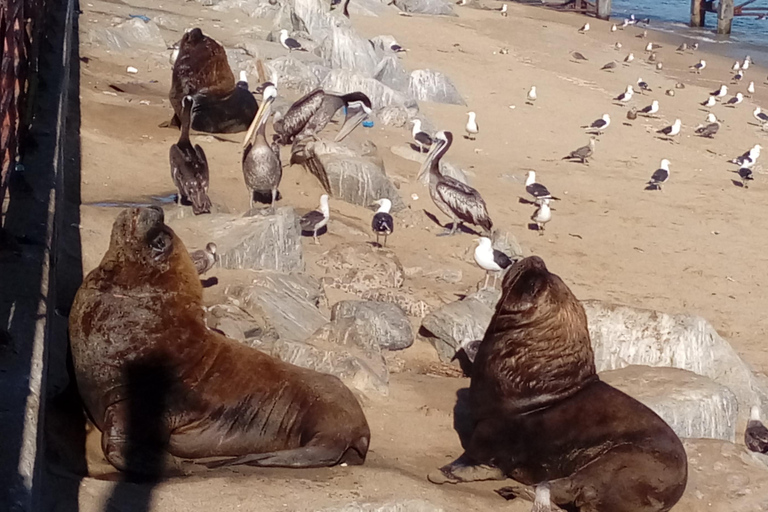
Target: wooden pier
[[726, 11]]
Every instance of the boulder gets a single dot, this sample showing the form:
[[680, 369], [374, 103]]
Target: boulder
[[461, 321], [291, 73], [383, 322], [343, 48], [365, 8], [262, 240], [435, 7], [287, 303], [694, 406], [391, 506], [393, 116], [391, 73], [131, 34], [238, 324], [358, 267], [402, 298], [623, 336], [428, 85]]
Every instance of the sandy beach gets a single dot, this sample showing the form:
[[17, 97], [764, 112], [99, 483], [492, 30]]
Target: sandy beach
[[696, 247]]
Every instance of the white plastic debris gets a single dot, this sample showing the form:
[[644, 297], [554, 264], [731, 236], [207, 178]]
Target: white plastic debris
[[132, 70]]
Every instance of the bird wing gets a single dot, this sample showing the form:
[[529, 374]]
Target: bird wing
[[598, 124], [302, 152], [300, 113], [660, 175], [763, 116], [464, 200], [309, 220], [501, 259], [537, 190]]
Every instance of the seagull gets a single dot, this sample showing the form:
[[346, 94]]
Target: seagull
[[532, 95], [659, 66], [736, 66], [699, 66], [315, 220], [649, 46], [643, 85], [710, 102], [422, 138], [745, 173], [584, 152], [537, 190], [599, 125], [749, 158], [669, 92], [626, 95], [738, 76], [578, 56], [642, 35], [290, 43], [760, 115], [751, 88], [652, 57], [722, 91], [504, 10], [709, 130], [617, 46], [490, 259], [683, 47], [695, 46], [614, 28], [609, 66], [383, 224], [624, 24], [746, 63], [584, 29], [735, 100], [671, 130], [660, 176], [629, 58], [651, 109], [632, 114], [204, 259], [711, 118], [471, 127], [542, 215]]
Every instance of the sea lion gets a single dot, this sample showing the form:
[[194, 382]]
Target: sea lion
[[540, 414], [156, 380], [202, 71]]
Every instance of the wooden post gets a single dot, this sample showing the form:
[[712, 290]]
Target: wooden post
[[603, 9], [697, 13], [725, 17]]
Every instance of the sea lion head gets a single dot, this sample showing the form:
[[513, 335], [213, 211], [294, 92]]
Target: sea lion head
[[143, 251], [536, 349]]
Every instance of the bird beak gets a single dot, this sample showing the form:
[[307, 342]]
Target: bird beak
[[259, 119]]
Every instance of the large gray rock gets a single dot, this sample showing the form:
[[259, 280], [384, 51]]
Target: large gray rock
[[288, 303], [383, 322], [392, 506], [264, 240], [461, 321], [130, 34], [358, 267], [436, 7], [291, 73], [623, 336], [402, 298], [237, 323], [694, 406], [343, 48], [428, 85], [391, 73]]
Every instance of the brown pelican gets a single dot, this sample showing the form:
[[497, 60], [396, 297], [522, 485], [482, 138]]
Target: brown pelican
[[310, 114], [455, 199], [314, 221], [204, 259], [262, 168], [189, 167]]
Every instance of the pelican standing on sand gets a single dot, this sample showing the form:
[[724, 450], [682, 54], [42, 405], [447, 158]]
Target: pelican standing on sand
[[660, 176], [542, 215], [311, 113], [290, 43], [262, 168], [383, 224], [490, 259], [458, 201], [189, 166], [204, 259], [472, 128], [316, 220]]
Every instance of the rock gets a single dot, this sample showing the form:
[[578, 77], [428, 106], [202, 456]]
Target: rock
[[288, 303], [463, 320], [291, 73], [236, 323], [316, 17], [260, 241], [507, 243], [623, 336], [131, 34], [427, 85], [392, 506], [365, 8], [447, 275], [384, 322], [436, 7], [391, 73], [393, 116], [343, 81], [358, 267], [404, 299], [694, 406], [343, 48]]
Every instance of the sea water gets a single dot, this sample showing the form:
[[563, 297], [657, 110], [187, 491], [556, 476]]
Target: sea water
[[748, 34]]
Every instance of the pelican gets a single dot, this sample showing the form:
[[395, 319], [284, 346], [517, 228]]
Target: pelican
[[189, 167], [472, 128], [310, 114], [204, 259], [262, 168], [458, 201], [383, 224]]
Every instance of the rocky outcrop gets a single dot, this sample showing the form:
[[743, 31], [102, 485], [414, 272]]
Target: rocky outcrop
[[132, 34], [383, 322], [435, 7], [428, 85], [358, 267]]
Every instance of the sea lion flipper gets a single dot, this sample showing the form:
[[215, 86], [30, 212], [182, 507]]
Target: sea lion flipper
[[304, 457], [464, 469]]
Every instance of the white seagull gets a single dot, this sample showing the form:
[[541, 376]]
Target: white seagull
[[651, 109], [626, 95], [748, 159], [751, 88], [671, 130], [736, 66], [471, 127], [532, 95], [722, 91], [383, 224], [290, 43], [629, 58], [735, 100], [599, 125], [760, 115], [660, 176], [537, 190], [490, 259], [315, 220], [542, 215], [747, 62], [422, 138], [643, 85], [584, 28], [709, 102], [738, 76], [614, 28], [699, 66], [504, 10]]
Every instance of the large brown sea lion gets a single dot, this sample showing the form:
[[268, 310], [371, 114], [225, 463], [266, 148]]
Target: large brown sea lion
[[156, 380], [540, 414], [201, 70]]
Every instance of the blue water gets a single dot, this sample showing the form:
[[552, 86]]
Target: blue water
[[747, 33]]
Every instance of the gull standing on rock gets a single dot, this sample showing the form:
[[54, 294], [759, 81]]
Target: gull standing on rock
[[290, 43], [537, 190], [672, 130], [314, 221], [542, 215], [532, 95], [383, 224], [421, 137], [756, 434], [599, 125], [584, 152], [471, 127], [660, 176], [626, 95], [204, 259], [699, 66], [490, 259], [455, 199]]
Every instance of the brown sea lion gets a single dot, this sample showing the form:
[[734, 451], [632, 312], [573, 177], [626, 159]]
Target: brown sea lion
[[540, 414], [201, 70], [156, 380]]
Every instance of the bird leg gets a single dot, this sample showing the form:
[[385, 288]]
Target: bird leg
[[274, 198], [314, 235], [485, 284], [178, 199], [385, 239], [250, 199], [541, 229], [377, 240]]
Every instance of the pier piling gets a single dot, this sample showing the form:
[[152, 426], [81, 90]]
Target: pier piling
[[697, 13], [724, 16], [603, 9]]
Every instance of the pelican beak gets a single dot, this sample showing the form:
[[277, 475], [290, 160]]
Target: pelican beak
[[436, 146], [258, 120], [350, 123]]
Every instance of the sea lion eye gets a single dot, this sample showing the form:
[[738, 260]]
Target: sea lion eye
[[160, 241]]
